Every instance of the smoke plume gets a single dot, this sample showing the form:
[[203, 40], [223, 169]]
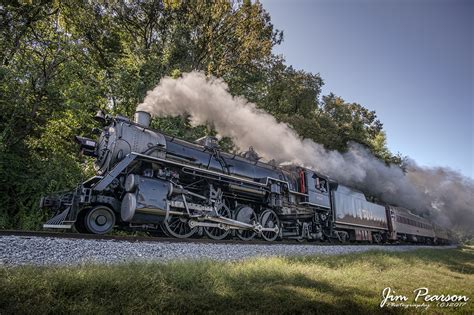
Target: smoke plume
[[440, 193]]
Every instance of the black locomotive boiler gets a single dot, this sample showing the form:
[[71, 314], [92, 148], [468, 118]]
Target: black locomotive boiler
[[148, 180]]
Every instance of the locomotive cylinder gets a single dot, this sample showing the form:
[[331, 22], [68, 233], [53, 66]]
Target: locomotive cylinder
[[146, 200]]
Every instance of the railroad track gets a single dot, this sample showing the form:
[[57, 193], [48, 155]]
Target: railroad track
[[165, 239], [158, 239]]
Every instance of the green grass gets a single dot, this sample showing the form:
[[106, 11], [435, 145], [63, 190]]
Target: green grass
[[349, 284]]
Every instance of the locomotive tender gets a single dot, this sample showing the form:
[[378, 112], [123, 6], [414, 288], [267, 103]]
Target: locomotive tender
[[148, 180]]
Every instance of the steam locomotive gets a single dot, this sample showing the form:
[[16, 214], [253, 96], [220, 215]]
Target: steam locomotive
[[148, 180]]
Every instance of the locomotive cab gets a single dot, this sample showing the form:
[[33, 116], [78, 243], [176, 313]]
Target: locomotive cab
[[317, 189]]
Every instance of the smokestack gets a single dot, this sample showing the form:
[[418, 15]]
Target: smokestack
[[142, 118]]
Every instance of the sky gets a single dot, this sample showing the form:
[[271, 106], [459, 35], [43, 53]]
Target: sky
[[409, 60]]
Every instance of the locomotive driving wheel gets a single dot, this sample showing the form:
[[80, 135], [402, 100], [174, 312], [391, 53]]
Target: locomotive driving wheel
[[99, 220], [214, 232], [178, 226], [247, 215], [269, 219]]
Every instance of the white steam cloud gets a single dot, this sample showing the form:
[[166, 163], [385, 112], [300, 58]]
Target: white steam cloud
[[441, 193]]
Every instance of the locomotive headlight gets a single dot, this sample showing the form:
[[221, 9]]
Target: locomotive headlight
[[88, 146], [101, 117]]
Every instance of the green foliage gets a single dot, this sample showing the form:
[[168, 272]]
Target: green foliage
[[62, 60], [347, 284]]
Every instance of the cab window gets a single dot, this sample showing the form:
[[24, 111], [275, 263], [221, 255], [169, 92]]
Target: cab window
[[320, 184]]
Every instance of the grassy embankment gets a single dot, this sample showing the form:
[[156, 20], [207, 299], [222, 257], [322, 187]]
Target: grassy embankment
[[336, 285]]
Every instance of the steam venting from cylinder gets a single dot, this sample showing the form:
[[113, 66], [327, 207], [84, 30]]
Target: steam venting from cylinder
[[440, 193], [142, 118]]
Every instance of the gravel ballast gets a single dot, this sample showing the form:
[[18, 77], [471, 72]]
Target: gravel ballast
[[47, 251]]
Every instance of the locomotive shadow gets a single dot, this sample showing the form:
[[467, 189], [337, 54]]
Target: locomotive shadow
[[273, 291], [460, 261]]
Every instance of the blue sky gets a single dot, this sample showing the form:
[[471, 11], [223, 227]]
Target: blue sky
[[409, 60]]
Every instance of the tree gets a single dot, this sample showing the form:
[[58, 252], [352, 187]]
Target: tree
[[60, 61], [48, 92]]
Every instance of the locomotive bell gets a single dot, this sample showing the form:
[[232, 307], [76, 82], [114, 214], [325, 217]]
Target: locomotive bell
[[142, 118]]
